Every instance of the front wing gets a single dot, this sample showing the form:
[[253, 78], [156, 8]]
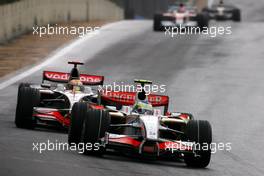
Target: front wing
[[51, 117], [146, 147]]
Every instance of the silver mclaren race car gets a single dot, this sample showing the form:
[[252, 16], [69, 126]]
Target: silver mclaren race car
[[51, 104], [134, 123], [222, 12]]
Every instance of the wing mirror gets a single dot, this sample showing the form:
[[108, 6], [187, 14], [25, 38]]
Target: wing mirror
[[48, 86]]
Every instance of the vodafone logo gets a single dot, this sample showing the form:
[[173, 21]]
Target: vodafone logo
[[57, 76], [90, 79]]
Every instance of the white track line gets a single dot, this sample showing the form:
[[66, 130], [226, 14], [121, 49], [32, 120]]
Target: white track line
[[49, 60]]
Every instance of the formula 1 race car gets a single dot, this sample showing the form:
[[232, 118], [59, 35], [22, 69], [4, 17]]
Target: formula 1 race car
[[51, 104], [222, 12], [180, 15], [133, 123]]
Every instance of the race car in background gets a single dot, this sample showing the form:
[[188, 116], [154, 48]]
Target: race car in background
[[180, 15], [51, 104], [223, 12], [133, 123]]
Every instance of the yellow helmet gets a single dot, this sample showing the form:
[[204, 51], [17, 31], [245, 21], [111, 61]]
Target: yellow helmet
[[75, 84]]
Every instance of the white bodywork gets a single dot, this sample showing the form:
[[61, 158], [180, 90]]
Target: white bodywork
[[151, 124], [182, 19], [73, 96], [220, 11]]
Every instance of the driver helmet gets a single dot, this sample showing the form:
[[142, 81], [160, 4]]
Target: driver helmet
[[75, 85], [143, 107], [182, 8]]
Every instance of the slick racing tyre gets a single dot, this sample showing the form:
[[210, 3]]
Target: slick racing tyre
[[129, 13], [95, 127], [200, 132], [157, 22], [27, 99], [78, 114], [236, 15], [203, 20], [23, 85], [205, 9]]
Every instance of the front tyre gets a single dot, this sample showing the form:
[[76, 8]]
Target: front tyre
[[27, 99], [78, 114], [95, 127], [200, 132]]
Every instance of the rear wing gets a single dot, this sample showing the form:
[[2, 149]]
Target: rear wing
[[128, 99], [61, 77]]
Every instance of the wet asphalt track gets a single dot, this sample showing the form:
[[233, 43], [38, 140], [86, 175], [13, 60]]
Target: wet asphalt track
[[219, 79]]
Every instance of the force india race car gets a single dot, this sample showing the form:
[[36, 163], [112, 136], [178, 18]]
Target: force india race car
[[133, 123], [223, 12], [51, 104], [180, 15]]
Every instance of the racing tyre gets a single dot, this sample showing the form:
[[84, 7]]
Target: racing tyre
[[23, 85], [27, 99], [96, 124], [78, 114], [157, 22], [200, 132], [203, 20], [236, 15], [205, 9], [129, 13]]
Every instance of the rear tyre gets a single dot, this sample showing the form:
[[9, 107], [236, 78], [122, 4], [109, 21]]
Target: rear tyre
[[95, 127], [129, 14], [27, 99], [205, 9], [157, 22], [200, 132], [236, 15], [23, 85], [78, 114], [203, 20]]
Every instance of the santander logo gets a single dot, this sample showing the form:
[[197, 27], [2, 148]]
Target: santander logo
[[128, 96], [119, 95], [155, 99]]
